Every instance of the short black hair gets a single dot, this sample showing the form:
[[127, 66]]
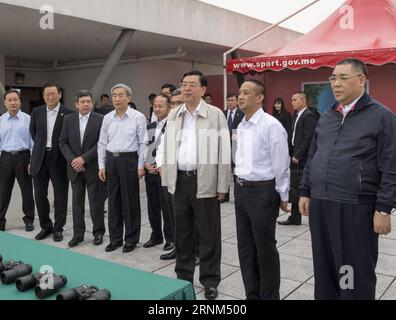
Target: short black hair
[[12, 91], [152, 96], [50, 85], [168, 99], [356, 64], [82, 94], [230, 95], [169, 86], [202, 79], [104, 96], [259, 85]]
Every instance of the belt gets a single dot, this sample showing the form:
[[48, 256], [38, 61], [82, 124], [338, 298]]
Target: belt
[[262, 183], [187, 173], [14, 153], [122, 154], [48, 149]]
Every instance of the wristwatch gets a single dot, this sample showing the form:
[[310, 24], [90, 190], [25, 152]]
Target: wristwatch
[[382, 213]]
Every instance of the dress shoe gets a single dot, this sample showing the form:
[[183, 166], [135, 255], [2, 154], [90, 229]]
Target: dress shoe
[[288, 222], [152, 243], [168, 256], [44, 233], [169, 246], [98, 240], [58, 236], [128, 247], [29, 227], [2, 228], [211, 293], [74, 242], [113, 246], [196, 261]]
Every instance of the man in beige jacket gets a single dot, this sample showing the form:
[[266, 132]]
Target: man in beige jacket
[[196, 169]]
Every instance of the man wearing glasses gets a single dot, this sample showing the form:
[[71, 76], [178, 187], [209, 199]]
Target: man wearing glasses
[[349, 186]]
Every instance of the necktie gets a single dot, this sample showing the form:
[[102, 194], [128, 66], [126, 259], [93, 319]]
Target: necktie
[[294, 120], [230, 120]]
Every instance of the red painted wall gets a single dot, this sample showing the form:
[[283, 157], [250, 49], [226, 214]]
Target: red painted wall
[[282, 84]]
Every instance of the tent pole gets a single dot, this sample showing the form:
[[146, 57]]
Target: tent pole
[[250, 39]]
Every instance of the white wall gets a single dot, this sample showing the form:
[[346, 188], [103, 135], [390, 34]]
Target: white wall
[[143, 77], [32, 78]]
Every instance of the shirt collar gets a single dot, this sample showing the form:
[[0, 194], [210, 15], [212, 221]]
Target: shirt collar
[[349, 107], [84, 117], [183, 108], [162, 122], [56, 109], [302, 110], [16, 116], [128, 113], [256, 117]]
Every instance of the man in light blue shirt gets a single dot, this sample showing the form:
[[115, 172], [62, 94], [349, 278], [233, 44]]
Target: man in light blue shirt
[[15, 147], [122, 150]]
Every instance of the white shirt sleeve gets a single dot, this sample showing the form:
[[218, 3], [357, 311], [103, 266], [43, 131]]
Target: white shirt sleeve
[[159, 157], [280, 160], [102, 143]]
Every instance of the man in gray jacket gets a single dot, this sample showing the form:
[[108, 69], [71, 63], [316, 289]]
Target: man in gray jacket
[[196, 169]]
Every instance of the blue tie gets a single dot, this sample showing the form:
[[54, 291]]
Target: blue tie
[[230, 120]]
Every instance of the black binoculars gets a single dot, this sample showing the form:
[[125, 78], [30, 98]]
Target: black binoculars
[[84, 292], [11, 270], [51, 285], [29, 281]]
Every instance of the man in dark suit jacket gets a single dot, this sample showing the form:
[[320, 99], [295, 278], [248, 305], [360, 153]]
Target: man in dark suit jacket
[[79, 146], [158, 198], [47, 162], [234, 116], [303, 127]]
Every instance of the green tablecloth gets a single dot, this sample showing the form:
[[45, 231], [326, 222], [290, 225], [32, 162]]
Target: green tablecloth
[[123, 282]]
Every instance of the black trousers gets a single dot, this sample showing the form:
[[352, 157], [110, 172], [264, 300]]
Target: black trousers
[[158, 199], [12, 167], [343, 237], [296, 172], [50, 170], [188, 210], [96, 198], [124, 199], [256, 211]]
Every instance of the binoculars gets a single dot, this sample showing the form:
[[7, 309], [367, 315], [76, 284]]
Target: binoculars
[[11, 270], [29, 281], [84, 292], [48, 288]]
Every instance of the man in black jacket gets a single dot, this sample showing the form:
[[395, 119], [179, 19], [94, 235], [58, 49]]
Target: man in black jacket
[[47, 162], [158, 198], [79, 145], [303, 126], [349, 186]]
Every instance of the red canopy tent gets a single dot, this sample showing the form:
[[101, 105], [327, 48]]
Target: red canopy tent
[[363, 29]]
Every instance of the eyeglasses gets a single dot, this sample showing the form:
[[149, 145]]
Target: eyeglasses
[[191, 85], [342, 78]]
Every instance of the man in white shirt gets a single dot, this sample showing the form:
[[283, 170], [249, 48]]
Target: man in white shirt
[[196, 169], [79, 145], [262, 186], [122, 150]]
